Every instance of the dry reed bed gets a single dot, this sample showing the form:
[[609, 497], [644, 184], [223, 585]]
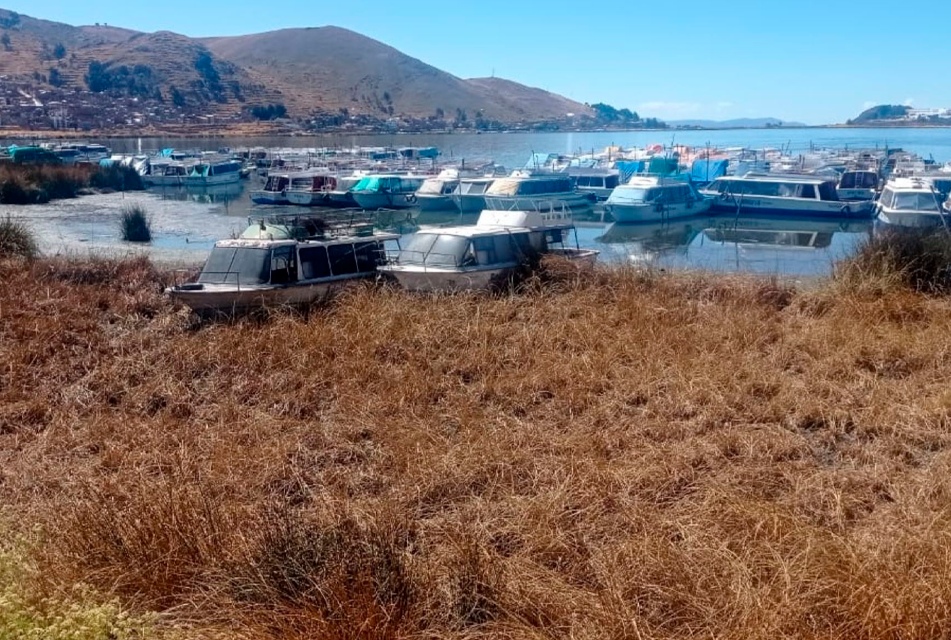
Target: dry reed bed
[[603, 456]]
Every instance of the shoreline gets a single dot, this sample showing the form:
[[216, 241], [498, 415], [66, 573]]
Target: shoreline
[[47, 135]]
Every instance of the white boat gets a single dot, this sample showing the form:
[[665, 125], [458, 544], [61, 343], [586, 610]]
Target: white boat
[[311, 190], [340, 196], [527, 191], [165, 173], [484, 255], [782, 195], [910, 202], [275, 263], [469, 194], [858, 184], [386, 191], [435, 194], [274, 190], [654, 199], [213, 172], [597, 182]]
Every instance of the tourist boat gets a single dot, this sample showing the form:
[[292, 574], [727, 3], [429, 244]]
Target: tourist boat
[[386, 191], [469, 194], [858, 184], [910, 202], [597, 182], [312, 189], [163, 173], [435, 194], [213, 172], [782, 195], [340, 196], [281, 261], [528, 191], [655, 198], [274, 190], [484, 255]]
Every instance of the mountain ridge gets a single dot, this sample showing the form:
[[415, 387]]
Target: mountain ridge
[[310, 70]]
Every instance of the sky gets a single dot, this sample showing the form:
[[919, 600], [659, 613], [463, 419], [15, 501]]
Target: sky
[[812, 61]]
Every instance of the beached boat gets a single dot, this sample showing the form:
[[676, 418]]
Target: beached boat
[[469, 194], [654, 198], [386, 191], [311, 190], [213, 172], [527, 191], [484, 255], [910, 202], [283, 261], [782, 195]]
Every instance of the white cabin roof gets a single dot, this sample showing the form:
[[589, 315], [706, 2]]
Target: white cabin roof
[[910, 184]]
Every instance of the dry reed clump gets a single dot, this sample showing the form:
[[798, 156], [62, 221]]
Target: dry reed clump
[[135, 224], [36, 184], [919, 259], [16, 240], [615, 454]]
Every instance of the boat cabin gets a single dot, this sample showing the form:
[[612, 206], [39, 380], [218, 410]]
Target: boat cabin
[[529, 185], [778, 186]]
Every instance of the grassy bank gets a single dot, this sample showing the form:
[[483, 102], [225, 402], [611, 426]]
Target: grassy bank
[[610, 455], [35, 184]]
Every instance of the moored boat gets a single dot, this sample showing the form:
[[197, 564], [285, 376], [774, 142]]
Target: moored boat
[[311, 190], [910, 202], [213, 172], [527, 191], [274, 190], [469, 194], [782, 195], [435, 194], [655, 198], [386, 191]]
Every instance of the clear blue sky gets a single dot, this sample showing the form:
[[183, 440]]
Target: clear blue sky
[[816, 61]]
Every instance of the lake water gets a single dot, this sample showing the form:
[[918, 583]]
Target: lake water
[[186, 223]]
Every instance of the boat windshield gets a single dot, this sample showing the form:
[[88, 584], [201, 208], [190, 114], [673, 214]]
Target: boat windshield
[[911, 201], [237, 265], [635, 194], [435, 249]]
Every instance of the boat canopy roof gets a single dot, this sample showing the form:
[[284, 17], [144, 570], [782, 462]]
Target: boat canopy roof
[[784, 178], [706, 169]]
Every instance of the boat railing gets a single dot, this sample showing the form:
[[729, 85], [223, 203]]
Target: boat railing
[[423, 258], [346, 222]]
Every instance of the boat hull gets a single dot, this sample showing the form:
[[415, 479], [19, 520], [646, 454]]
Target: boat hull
[[367, 200], [269, 197], [912, 219], [428, 279], [469, 203], [435, 203], [307, 198], [212, 300], [768, 206], [163, 181], [340, 199], [207, 181], [631, 213]]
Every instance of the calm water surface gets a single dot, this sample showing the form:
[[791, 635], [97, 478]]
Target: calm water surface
[[187, 222]]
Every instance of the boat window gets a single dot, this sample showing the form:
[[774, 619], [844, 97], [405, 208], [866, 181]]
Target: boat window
[[283, 265], [827, 192], [612, 181], [236, 265], [915, 201], [418, 246], [313, 263], [342, 259], [808, 191], [447, 251], [886, 198], [368, 256]]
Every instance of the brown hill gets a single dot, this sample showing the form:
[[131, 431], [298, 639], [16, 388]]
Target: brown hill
[[314, 69], [333, 68]]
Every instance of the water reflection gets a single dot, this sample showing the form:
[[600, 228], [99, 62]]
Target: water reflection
[[800, 246]]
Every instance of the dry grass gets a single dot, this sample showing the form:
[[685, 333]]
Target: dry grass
[[606, 455], [32, 184]]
